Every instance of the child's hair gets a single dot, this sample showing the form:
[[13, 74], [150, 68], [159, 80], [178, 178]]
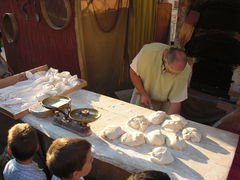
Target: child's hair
[[23, 141], [67, 155], [149, 175]]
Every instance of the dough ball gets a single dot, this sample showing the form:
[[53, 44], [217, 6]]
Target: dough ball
[[175, 142], [51, 71], [29, 75], [138, 122], [161, 155], [155, 138], [191, 134], [157, 117], [133, 139], [176, 123], [65, 74], [112, 132]]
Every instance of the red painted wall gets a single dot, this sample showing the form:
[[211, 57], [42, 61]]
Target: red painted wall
[[38, 44]]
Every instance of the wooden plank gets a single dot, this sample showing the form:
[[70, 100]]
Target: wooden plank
[[82, 84], [164, 11], [20, 77]]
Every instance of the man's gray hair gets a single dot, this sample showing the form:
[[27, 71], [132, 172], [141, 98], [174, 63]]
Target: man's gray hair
[[171, 55]]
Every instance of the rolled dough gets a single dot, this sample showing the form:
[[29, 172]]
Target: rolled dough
[[133, 139], [161, 155], [176, 123], [191, 134], [157, 117], [175, 142], [112, 132], [138, 122], [155, 138]]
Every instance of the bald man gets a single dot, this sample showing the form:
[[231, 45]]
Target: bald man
[[160, 74]]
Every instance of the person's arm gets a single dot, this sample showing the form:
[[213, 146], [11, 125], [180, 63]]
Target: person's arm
[[137, 82], [174, 108], [176, 103]]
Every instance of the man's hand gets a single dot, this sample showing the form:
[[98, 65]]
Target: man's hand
[[137, 82], [146, 101]]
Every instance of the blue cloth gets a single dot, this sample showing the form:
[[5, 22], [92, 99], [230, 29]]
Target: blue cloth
[[16, 171]]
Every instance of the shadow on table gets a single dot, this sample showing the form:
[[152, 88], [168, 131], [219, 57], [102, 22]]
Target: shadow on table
[[212, 146], [192, 154]]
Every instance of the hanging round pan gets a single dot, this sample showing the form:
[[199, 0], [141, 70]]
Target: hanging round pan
[[57, 13], [10, 27]]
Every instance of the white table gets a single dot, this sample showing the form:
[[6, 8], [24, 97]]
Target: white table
[[211, 159]]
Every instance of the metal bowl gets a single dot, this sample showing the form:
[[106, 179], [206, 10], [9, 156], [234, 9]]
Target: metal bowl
[[56, 102]]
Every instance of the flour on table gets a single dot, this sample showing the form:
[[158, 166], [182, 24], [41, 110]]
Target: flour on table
[[155, 138], [175, 142], [112, 132], [133, 139], [157, 117], [138, 122], [191, 134], [176, 123], [161, 155]]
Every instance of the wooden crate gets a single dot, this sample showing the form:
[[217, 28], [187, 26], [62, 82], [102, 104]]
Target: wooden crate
[[21, 77]]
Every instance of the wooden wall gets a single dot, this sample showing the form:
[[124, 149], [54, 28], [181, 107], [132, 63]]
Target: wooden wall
[[38, 44]]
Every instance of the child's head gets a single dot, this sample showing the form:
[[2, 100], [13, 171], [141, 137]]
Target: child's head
[[149, 175], [70, 158], [22, 141]]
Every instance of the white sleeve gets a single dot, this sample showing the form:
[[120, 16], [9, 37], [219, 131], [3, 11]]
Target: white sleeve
[[133, 65], [183, 96]]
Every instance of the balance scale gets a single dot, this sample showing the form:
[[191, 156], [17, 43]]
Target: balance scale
[[76, 120]]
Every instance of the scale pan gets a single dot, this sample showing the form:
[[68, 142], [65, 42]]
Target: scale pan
[[56, 102], [84, 115]]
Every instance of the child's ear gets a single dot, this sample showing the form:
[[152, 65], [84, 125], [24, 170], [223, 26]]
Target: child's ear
[[9, 150], [77, 174]]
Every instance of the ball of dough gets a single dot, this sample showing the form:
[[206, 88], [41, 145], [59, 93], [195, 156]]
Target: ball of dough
[[191, 134], [133, 139], [161, 155], [157, 117], [112, 132], [155, 138], [175, 142], [176, 123], [29, 75], [138, 122], [65, 74]]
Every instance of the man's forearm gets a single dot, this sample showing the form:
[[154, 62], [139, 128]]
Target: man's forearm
[[137, 82], [174, 108]]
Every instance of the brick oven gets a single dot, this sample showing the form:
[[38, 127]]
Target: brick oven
[[216, 46]]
